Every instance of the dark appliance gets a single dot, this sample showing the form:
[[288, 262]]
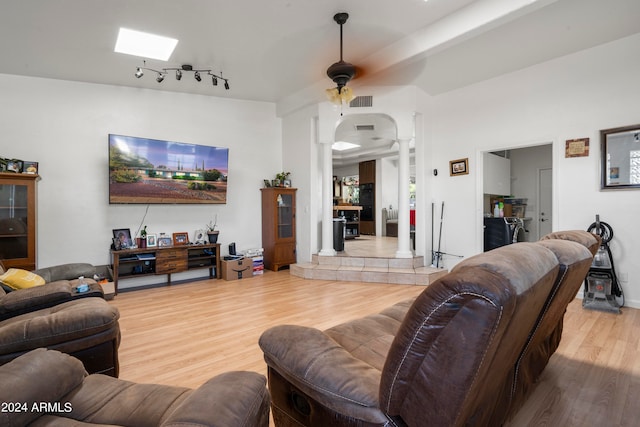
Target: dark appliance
[[367, 214], [602, 291], [502, 231], [366, 201]]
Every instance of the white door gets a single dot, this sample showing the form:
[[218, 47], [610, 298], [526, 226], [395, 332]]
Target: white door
[[545, 186]]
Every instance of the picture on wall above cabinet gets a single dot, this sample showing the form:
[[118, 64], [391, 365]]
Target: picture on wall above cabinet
[[143, 171]]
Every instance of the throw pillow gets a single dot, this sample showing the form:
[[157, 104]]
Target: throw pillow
[[21, 279]]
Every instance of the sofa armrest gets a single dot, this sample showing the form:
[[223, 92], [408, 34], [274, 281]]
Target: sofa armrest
[[320, 367], [38, 376], [229, 399], [31, 299]]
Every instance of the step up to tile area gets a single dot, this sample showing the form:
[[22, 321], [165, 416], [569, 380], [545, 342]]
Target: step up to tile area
[[405, 271]]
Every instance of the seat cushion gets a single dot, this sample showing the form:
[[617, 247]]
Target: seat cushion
[[58, 324]]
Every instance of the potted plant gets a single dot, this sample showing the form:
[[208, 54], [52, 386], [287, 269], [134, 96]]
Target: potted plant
[[211, 230], [283, 177]]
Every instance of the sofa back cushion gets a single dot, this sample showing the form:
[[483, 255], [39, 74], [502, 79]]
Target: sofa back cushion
[[464, 333]]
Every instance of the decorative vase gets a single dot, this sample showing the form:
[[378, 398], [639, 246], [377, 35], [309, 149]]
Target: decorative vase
[[213, 236]]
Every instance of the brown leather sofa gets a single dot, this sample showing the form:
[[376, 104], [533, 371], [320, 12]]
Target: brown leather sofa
[[48, 388], [466, 351], [60, 286]]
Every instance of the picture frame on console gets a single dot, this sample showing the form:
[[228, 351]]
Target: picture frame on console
[[122, 239], [180, 239], [152, 240], [164, 241]]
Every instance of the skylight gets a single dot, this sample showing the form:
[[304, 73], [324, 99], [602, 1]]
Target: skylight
[[343, 145], [145, 45]]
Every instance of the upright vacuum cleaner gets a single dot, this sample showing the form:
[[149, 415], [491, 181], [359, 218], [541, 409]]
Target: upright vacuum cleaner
[[602, 290]]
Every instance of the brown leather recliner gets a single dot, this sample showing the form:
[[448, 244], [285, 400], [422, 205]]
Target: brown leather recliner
[[453, 356], [86, 328], [48, 388]]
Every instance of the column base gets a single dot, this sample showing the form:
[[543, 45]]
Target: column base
[[327, 252], [404, 254]]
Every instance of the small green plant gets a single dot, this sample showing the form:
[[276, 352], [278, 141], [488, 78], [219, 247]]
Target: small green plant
[[283, 175]]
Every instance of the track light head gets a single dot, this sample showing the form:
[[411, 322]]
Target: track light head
[[178, 74], [197, 76], [214, 80], [226, 84], [139, 72], [160, 78]]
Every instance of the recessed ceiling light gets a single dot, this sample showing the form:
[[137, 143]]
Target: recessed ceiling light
[[343, 145], [144, 45]]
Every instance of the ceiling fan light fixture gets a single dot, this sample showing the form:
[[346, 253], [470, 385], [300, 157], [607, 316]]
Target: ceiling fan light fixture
[[337, 95], [340, 72]]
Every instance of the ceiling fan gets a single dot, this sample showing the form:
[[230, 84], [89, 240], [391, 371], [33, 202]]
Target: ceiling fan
[[341, 72]]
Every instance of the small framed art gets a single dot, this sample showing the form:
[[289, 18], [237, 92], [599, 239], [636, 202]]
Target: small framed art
[[152, 240], [180, 239], [164, 241], [459, 167], [122, 239], [30, 167]]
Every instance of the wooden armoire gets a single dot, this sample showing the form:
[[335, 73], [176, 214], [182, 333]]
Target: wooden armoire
[[278, 227]]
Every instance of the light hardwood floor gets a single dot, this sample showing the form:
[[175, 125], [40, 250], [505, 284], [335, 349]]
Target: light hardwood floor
[[185, 334]]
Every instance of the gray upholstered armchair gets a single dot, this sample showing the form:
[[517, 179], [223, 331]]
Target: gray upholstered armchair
[[71, 397]]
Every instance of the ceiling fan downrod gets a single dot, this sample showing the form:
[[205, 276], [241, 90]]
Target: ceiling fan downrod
[[341, 72]]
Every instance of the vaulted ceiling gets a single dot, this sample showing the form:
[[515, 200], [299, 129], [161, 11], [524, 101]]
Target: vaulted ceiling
[[279, 50]]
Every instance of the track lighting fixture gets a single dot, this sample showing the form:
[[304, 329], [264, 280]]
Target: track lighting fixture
[[197, 74]]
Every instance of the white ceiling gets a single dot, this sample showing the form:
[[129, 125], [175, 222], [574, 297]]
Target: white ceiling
[[278, 50]]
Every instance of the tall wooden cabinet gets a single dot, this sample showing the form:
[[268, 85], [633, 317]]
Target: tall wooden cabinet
[[18, 220], [278, 227]]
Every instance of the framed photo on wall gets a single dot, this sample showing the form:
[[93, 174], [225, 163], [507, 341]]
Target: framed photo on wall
[[459, 167]]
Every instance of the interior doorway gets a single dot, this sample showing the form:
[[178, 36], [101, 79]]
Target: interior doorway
[[531, 175]]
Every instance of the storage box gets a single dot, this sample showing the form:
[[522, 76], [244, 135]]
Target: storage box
[[106, 281], [237, 269]]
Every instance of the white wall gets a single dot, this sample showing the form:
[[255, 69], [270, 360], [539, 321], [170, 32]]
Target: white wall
[[300, 154], [567, 98], [64, 126]]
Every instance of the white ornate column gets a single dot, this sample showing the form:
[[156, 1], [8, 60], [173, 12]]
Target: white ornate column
[[327, 200], [404, 250]]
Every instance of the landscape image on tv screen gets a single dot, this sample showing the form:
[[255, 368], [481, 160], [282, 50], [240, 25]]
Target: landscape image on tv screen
[[145, 171]]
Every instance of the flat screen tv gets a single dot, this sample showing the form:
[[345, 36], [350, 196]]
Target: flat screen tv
[[144, 171]]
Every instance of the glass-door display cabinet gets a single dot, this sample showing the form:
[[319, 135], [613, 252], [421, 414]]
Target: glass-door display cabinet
[[278, 227], [18, 220]]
